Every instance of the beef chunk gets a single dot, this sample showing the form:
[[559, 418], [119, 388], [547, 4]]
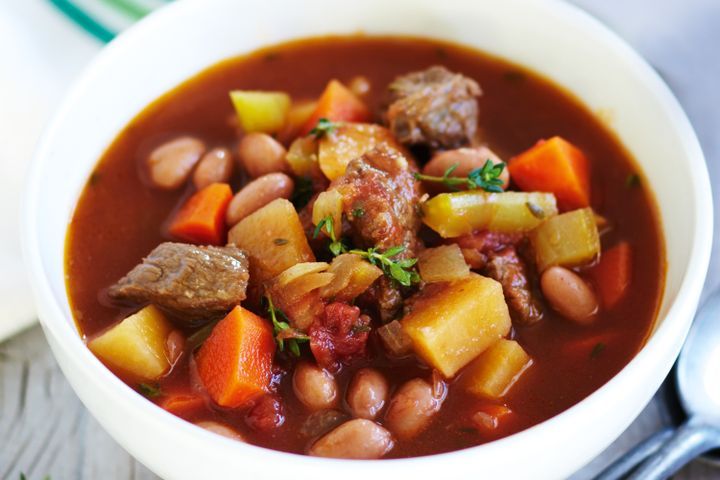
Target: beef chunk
[[339, 335], [434, 107], [194, 283], [507, 267], [380, 196]]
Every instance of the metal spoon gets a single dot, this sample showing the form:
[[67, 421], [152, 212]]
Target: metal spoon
[[698, 381]]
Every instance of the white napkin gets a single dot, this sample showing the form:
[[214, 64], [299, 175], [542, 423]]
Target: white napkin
[[41, 53]]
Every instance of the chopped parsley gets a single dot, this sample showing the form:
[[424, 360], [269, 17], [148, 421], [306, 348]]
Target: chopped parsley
[[150, 390], [324, 127], [284, 332]]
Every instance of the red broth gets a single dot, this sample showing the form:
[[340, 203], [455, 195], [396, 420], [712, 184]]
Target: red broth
[[119, 219]]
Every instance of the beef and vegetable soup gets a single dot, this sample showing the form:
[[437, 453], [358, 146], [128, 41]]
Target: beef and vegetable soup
[[365, 247]]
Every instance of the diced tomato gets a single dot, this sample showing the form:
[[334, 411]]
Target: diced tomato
[[339, 335], [266, 414]]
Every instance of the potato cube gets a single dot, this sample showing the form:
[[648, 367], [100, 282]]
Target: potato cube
[[273, 238], [569, 240], [495, 371], [452, 323], [136, 345], [460, 213], [259, 111]]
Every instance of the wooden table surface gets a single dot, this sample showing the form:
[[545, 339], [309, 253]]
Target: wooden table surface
[[45, 430]]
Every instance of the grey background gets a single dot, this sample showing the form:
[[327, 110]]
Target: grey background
[[45, 430]]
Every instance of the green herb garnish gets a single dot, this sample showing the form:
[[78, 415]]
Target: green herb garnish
[[336, 246], [597, 349], [150, 390], [485, 178], [632, 180], [399, 270], [323, 127], [358, 212], [283, 331]]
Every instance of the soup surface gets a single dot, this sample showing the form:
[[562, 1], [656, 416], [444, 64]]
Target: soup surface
[[478, 388]]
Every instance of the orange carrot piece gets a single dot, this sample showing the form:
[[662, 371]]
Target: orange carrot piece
[[338, 104], [613, 274], [555, 166], [202, 218], [235, 362], [490, 417], [183, 405]]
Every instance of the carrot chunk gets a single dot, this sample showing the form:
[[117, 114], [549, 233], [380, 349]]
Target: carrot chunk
[[183, 405], [555, 166], [202, 218], [613, 274], [338, 104], [235, 362]]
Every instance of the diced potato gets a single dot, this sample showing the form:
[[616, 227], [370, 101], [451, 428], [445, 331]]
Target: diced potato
[[350, 141], [394, 339], [136, 346], [302, 157], [257, 234], [353, 276], [459, 213], [495, 371], [451, 324], [568, 240], [260, 111], [442, 264], [329, 203]]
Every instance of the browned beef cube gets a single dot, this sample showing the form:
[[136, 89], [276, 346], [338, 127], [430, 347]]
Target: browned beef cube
[[194, 283], [507, 267], [434, 107]]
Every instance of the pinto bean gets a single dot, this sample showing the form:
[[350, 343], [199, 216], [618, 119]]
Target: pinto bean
[[315, 387], [367, 393], [412, 408], [221, 429], [261, 154], [257, 194], [569, 295], [214, 167], [358, 439], [466, 159], [170, 164]]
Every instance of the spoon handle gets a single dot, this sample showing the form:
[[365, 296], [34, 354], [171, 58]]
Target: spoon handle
[[690, 440], [631, 459]]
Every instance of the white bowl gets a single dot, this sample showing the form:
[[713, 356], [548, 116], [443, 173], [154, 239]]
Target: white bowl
[[549, 37]]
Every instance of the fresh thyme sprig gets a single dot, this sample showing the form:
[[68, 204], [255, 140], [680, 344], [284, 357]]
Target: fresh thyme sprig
[[485, 178], [150, 390], [323, 127], [336, 246], [399, 270], [283, 331]]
